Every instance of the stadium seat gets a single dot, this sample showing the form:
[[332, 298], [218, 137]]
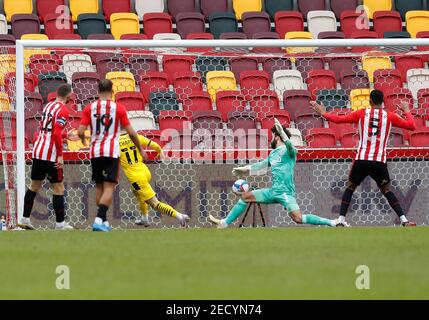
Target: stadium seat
[[219, 81], [49, 82], [239, 64], [295, 100], [423, 102], [255, 22], [34, 36], [45, 7], [253, 82], [222, 22], [33, 104], [209, 7], [199, 36], [8, 63], [377, 5], [154, 135], [417, 79], [139, 64], [110, 62], [397, 35], [177, 6], [229, 100], [32, 125], [339, 6], [189, 22], [71, 36], [3, 25], [153, 81], [167, 36], [176, 120], [321, 138], [349, 138], [144, 7], [305, 119], [100, 36], [273, 64], [206, 64], [321, 79], [374, 61], [305, 6], [23, 24], [122, 81], [241, 6], [287, 80], [197, 101], [76, 63], [396, 138], [241, 120], [265, 101], [115, 6], [333, 99], [350, 80], [134, 101], [274, 6], [359, 99], [340, 64], [85, 86], [387, 21], [267, 122], [13, 7], [420, 137], [176, 64], [288, 21], [417, 21], [78, 7], [394, 98], [162, 100], [364, 34], [387, 79], [90, 23], [142, 120], [30, 83], [51, 28], [209, 120], [403, 6], [124, 23], [233, 35], [134, 36], [187, 82], [305, 65], [331, 35], [7, 40], [154, 23], [299, 35], [266, 35], [321, 21], [43, 63], [349, 22], [4, 102]]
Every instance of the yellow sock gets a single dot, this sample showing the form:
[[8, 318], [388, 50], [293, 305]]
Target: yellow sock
[[166, 209]]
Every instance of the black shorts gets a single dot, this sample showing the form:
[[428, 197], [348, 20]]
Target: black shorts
[[105, 169], [43, 169], [376, 170]]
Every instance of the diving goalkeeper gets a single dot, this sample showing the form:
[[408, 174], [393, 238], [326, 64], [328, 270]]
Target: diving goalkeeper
[[139, 176], [282, 161]]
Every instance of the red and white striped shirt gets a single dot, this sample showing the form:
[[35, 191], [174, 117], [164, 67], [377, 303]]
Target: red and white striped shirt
[[105, 118], [49, 143], [374, 129]]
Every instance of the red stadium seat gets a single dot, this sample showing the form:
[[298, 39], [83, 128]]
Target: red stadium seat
[[338, 6], [174, 65], [33, 104], [177, 6], [254, 82], [30, 82], [45, 7], [233, 35], [133, 101], [267, 122], [321, 79], [197, 101], [24, 24], [349, 22], [51, 25], [7, 40], [134, 36], [209, 6], [305, 65], [139, 64], [394, 97], [199, 36], [288, 21], [210, 120], [110, 63], [115, 6], [420, 137], [396, 139], [172, 119], [154, 135], [364, 34], [266, 35], [254, 22], [321, 138], [241, 120], [342, 64], [240, 64], [270, 65], [227, 101], [305, 6], [387, 79], [32, 127], [349, 138], [43, 63], [305, 119], [153, 81], [186, 83], [190, 22], [423, 102], [265, 101], [331, 35], [154, 23], [295, 100], [350, 80], [71, 36], [387, 21], [405, 62], [85, 86]]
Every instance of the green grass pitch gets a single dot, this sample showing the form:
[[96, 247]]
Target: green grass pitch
[[282, 263]]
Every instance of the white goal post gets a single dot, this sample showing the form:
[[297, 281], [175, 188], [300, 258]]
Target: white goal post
[[22, 45]]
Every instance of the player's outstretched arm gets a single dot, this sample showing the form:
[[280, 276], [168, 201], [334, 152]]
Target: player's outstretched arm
[[81, 133], [408, 123], [335, 118], [136, 140]]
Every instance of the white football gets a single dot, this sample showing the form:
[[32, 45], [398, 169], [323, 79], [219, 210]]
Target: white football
[[240, 186]]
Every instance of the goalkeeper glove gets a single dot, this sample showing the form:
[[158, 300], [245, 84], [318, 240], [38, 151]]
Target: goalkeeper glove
[[279, 128], [240, 171]]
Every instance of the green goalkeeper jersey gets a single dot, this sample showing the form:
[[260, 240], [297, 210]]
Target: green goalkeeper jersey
[[282, 161]]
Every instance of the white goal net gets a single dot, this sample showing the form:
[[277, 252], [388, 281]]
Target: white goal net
[[211, 107]]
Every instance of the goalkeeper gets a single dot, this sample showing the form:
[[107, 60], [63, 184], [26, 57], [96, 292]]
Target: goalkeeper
[[139, 176], [282, 161]]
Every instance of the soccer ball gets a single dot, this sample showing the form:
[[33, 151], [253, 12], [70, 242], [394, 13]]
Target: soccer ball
[[240, 186]]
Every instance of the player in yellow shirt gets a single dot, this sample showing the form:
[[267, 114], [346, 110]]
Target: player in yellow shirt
[[139, 176]]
